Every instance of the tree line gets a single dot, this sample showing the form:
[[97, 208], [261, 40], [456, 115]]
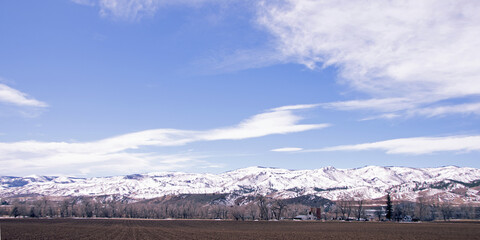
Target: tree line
[[261, 208], [425, 208]]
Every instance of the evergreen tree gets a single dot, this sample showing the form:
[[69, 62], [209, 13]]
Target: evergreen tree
[[389, 209]]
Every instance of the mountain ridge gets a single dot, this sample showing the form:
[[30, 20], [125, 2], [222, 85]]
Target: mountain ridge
[[449, 183]]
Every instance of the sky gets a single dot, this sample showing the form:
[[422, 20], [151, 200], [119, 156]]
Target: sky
[[113, 87]]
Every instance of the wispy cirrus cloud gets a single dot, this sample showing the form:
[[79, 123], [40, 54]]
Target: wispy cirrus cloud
[[433, 111], [13, 96], [403, 55], [382, 104], [287, 149], [132, 10], [129, 149], [90, 3], [415, 146]]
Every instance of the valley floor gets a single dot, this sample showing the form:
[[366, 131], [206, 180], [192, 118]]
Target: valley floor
[[210, 229]]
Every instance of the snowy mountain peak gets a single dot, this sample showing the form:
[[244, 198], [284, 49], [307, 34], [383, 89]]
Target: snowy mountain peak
[[369, 182]]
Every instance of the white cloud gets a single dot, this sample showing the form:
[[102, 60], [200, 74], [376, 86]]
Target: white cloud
[[128, 9], [287, 149], [119, 152], [276, 121], [295, 107], [90, 3], [403, 54], [436, 110], [240, 59], [12, 96], [383, 104], [466, 108], [416, 146], [132, 9], [381, 116]]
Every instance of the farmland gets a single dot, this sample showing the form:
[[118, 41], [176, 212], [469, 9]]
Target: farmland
[[210, 229]]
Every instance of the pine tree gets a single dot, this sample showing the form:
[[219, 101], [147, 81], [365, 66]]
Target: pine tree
[[389, 209]]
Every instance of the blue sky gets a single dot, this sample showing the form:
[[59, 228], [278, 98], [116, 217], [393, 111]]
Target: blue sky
[[97, 87]]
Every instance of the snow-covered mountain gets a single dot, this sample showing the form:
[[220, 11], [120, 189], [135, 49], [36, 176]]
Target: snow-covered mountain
[[369, 182]]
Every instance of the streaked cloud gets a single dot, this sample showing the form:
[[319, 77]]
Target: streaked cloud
[[132, 10], [129, 149], [90, 3], [402, 55], [13, 96], [433, 111], [415, 146], [383, 104], [276, 121], [128, 9], [287, 149], [296, 107]]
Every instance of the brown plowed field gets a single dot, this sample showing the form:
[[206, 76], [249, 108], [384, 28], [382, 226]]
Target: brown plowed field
[[204, 229]]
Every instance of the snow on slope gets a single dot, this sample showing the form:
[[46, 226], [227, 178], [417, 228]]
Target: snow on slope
[[368, 182]]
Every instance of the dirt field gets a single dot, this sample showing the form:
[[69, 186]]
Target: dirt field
[[204, 229]]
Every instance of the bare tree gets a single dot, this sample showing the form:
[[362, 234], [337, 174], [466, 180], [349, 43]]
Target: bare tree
[[336, 211], [434, 205], [238, 212], [402, 210], [344, 204], [219, 212], [263, 207], [278, 206], [446, 210], [359, 211], [295, 209], [379, 213], [467, 211], [252, 210], [421, 207]]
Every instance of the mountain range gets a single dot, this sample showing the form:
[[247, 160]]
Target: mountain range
[[450, 183]]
